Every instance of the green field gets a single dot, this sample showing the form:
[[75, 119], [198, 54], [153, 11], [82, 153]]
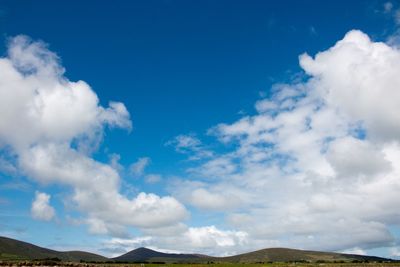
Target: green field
[[277, 264]]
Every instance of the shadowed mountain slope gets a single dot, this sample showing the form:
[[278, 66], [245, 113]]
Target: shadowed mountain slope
[[145, 254], [290, 255], [11, 249]]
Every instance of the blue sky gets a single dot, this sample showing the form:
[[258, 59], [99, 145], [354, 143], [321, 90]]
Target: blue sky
[[208, 121]]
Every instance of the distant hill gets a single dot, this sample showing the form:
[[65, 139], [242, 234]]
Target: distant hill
[[149, 255], [291, 255], [11, 249], [264, 255]]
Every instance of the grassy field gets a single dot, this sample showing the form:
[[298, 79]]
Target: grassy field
[[66, 264], [277, 264]]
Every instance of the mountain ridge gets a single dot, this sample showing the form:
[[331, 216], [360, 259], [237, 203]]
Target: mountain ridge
[[12, 249], [16, 249], [289, 254], [145, 254]]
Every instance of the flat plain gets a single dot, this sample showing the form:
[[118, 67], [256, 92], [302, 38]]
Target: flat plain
[[274, 264]]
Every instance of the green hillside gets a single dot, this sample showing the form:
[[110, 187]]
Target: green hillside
[[11, 249], [149, 255], [291, 255]]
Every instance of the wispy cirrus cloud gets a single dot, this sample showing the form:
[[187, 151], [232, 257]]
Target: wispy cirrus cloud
[[190, 145], [137, 168]]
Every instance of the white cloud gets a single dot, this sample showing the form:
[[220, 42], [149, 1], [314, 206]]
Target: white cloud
[[265, 105], [387, 7], [352, 157], [356, 251], [210, 237], [34, 94], [368, 74], [63, 122], [114, 162], [137, 168], [395, 252], [190, 144], [204, 199], [41, 209], [208, 240], [8, 167], [215, 168], [96, 189], [185, 142], [117, 246], [152, 178], [209, 198], [319, 162]]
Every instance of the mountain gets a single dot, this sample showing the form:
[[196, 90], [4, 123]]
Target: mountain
[[291, 255], [148, 255], [11, 249], [264, 255]]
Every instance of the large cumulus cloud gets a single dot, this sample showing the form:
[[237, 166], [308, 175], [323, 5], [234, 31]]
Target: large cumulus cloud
[[318, 165], [49, 126]]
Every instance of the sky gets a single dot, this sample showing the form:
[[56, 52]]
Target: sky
[[215, 127]]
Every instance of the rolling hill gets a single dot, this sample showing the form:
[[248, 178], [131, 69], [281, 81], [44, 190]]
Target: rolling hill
[[11, 249], [148, 255], [264, 255], [291, 255]]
